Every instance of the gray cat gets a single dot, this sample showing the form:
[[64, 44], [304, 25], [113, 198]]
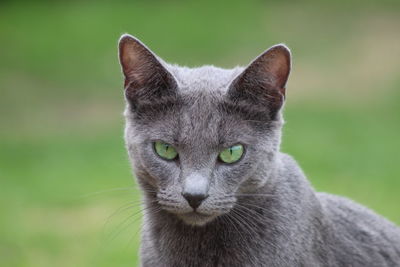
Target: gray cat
[[204, 144]]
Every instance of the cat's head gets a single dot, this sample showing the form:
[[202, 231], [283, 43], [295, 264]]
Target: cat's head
[[198, 138]]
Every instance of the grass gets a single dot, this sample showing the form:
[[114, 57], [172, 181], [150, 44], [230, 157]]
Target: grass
[[66, 191]]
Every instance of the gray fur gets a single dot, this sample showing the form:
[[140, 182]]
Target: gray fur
[[261, 211]]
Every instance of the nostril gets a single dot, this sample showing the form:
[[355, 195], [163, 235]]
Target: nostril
[[194, 200]]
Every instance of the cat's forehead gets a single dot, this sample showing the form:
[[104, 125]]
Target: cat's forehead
[[205, 78], [202, 120]]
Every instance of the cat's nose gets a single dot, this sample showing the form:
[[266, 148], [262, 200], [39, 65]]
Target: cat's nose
[[194, 200], [195, 189]]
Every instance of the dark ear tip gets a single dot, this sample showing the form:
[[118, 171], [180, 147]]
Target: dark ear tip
[[127, 38], [281, 49]]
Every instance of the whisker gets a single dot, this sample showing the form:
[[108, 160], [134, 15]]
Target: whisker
[[233, 223], [125, 223], [125, 207], [107, 191], [255, 206], [262, 216], [137, 231], [255, 195], [243, 223]]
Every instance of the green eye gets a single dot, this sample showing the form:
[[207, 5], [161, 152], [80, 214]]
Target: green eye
[[231, 154], [164, 150]]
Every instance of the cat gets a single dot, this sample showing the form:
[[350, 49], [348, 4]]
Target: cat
[[204, 146]]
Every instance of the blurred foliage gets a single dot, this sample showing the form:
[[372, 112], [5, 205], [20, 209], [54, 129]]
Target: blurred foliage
[[66, 193]]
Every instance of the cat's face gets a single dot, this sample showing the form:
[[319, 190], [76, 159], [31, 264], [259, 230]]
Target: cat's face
[[198, 138]]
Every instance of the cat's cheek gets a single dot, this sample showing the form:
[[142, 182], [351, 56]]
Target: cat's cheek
[[229, 177], [164, 172], [244, 173]]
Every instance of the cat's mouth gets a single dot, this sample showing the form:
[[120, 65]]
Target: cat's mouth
[[196, 218]]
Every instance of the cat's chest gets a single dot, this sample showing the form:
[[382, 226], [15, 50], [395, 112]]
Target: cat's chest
[[207, 255], [169, 242], [206, 249]]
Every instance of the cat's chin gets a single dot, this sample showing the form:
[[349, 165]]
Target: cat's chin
[[196, 218]]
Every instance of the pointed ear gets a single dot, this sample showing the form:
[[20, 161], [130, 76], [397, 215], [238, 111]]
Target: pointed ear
[[145, 77], [263, 82]]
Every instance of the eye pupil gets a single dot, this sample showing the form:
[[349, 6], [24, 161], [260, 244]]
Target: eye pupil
[[165, 151], [231, 154]]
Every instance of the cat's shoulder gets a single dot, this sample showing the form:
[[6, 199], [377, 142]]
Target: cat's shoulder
[[288, 165], [358, 221]]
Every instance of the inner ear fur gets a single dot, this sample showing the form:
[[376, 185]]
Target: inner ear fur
[[263, 81], [145, 76]]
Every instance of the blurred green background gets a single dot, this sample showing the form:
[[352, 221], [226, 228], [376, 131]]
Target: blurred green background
[[67, 197]]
